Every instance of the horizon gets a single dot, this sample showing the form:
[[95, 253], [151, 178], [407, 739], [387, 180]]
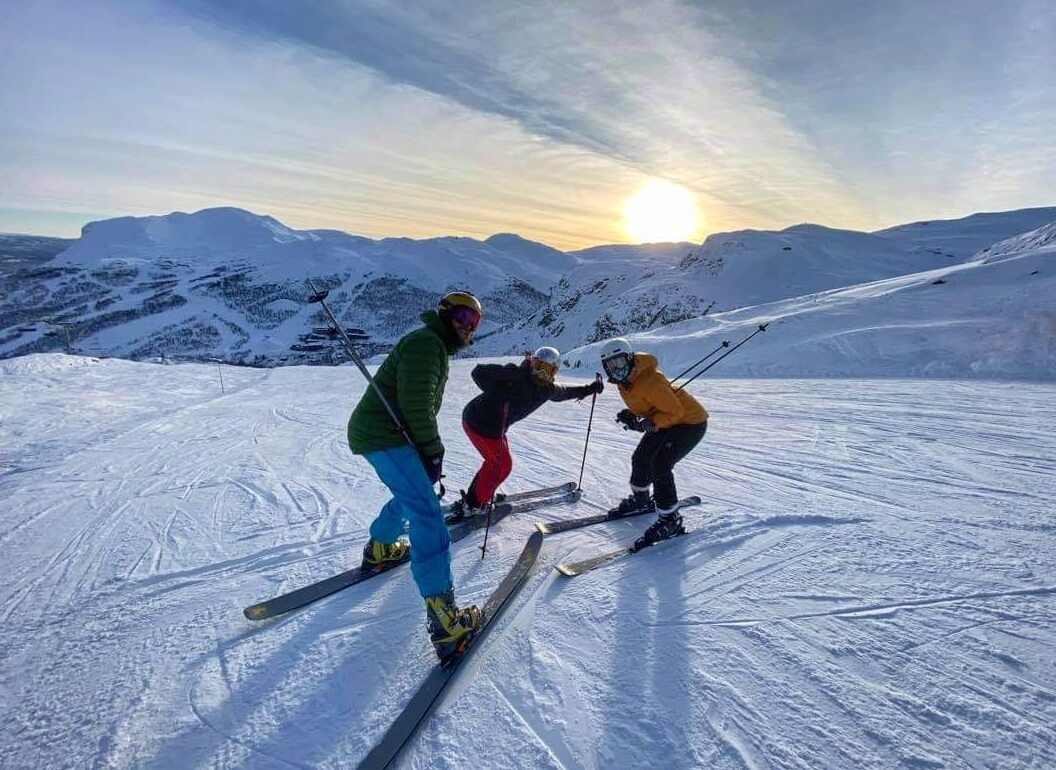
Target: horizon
[[666, 122], [483, 238]]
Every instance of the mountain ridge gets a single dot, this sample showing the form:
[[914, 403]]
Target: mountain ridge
[[226, 283]]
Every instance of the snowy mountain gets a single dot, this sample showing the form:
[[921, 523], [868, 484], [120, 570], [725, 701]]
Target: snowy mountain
[[623, 290], [229, 284], [18, 252], [961, 238], [869, 583], [991, 316]]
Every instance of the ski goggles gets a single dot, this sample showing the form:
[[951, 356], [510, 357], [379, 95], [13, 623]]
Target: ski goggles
[[465, 316], [546, 369], [618, 367]]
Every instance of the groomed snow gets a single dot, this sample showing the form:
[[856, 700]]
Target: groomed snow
[[870, 584]]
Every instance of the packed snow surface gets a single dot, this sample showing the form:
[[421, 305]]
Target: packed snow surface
[[870, 583]]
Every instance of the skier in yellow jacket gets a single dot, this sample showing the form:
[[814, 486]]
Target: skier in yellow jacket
[[673, 423]]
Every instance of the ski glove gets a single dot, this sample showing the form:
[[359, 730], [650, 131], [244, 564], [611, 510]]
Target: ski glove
[[586, 390], [648, 425], [434, 464], [629, 420]]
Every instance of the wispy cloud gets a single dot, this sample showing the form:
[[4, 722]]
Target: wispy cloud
[[140, 112], [541, 118], [650, 85]]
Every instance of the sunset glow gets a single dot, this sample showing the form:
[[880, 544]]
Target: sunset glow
[[661, 211]]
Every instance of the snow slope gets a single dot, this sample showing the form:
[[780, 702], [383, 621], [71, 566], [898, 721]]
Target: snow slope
[[620, 292], [961, 238], [870, 583], [993, 316], [222, 235], [230, 284]]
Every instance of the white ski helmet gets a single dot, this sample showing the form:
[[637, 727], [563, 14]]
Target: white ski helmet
[[545, 362], [617, 359]]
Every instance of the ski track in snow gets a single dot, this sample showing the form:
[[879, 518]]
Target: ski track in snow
[[870, 583]]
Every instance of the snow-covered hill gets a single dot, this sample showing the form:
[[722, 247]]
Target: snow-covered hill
[[228, 284], [213, 237], [961, 238], [18, 252], [627, 290], [869, 584], [993, 316]]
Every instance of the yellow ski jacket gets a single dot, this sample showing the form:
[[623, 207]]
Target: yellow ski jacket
[[648, 393]]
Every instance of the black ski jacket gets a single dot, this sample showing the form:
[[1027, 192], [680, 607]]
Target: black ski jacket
[[511, 384]]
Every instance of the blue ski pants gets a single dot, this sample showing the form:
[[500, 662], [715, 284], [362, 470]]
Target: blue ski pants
[[413, 501]]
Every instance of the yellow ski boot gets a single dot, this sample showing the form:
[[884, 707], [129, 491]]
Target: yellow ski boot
[[378, 556], [450, 629]]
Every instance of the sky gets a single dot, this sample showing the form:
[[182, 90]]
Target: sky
[[422, 119]]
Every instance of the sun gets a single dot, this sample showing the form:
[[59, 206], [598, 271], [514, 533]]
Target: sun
[[661, 211]]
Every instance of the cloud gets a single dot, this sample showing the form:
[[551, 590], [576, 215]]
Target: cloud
[[648, 85], [433, 118], [157, 114]]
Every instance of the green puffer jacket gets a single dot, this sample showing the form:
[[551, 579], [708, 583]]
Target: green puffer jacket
[[412, 378]]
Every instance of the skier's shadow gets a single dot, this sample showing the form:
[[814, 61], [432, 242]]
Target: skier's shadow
[[653, 658]]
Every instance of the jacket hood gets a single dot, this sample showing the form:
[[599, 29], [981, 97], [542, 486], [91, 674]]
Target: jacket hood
[[644, 363]]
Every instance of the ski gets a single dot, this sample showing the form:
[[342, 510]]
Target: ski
[[580, 567], [501, 510], [422, 702], [313, 592], [553, 527], [452, 519], [460, 528], [560, 489], [528, 494]]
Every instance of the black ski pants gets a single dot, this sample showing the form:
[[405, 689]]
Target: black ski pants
[[654, 460]]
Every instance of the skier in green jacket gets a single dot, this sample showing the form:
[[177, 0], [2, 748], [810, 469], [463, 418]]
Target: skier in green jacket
[[412, 379]]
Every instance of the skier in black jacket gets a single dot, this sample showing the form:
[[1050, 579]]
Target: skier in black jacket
[[511, 392]]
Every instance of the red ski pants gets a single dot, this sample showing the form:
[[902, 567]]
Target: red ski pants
[[495, 469]]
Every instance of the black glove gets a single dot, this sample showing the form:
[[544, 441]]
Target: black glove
[[648, 425], [629, 420], [586, 390], [434, 465]]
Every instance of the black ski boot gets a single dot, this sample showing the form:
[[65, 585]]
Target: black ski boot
[[463, 509], [665, 526], [639, 502]]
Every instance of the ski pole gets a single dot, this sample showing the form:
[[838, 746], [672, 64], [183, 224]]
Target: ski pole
[[762, 328], [320, 297], [590, 420], [691, 367], [491, 505]]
